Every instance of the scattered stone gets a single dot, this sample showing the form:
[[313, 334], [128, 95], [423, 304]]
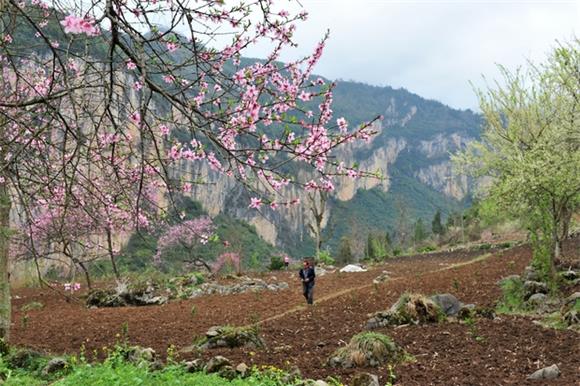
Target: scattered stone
[[367, 349], [194, 366], [530, 274], [122, 297], [448, 303], [352, 268], [410, 308], [534, 287], [550, 372], [245, 285], [320, 382], [54, 365], [569, 275], [242, 369], [228, 372], [292, 376], [284, 347], [537, 299], [140, 355], [383, 277], [227, 336], [364, 379], [216, 363]]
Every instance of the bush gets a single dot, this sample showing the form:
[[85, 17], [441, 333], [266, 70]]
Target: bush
[[513, 296], [276, 263], [325, 258], [427, 248]]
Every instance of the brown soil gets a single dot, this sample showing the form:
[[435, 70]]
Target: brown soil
[[500, 351]]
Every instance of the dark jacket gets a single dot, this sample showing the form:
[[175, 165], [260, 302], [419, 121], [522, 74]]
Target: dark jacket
[[307, 273]]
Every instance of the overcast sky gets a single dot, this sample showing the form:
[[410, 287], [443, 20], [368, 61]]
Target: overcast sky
[[432, 48]]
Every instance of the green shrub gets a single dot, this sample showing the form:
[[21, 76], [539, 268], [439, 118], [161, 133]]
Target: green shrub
[[325, 258], [512, 300], [276, 263]]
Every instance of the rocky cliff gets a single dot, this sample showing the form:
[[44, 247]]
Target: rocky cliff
[[411, 151]]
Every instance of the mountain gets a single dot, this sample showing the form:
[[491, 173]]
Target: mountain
[[412, 151]]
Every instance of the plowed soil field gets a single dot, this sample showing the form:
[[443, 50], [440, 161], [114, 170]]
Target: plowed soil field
[[501, 351]]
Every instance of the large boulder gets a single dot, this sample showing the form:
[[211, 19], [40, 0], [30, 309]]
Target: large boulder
[[217, 363], [367, 349], [532, 287], [447, 303], [228, 336], [410, 308]]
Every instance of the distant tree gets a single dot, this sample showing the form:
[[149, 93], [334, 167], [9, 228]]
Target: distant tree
[[190, 235], [530, 148], [436, 225], [420, 232], [403, 224], [344, 254], [317, 198]]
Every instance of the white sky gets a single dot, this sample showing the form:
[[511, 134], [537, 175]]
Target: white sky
[[432, 48]]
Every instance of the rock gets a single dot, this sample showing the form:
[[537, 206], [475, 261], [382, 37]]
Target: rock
[[213, 331], [383, 277], [530, 274], [534, 287], [138, 355], [569, 275], [352, 268], [194, 366], [448, 303], [292, 376], [54, 365], [364, 379], [320, 382], [242, 369], [228, 372], [550, 372], [227, 336], [572, 318], [537, 299], [216, 363], [572, 299]]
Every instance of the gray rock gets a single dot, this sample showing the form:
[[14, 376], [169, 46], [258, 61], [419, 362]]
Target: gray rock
[[194, 365], [448, 303], [569, 275], [534, 287], [365, 379], [54, 365], [383, 277], [320, 382], [550, 372], [573, 298], [216, 363], [213, 331], [242, 369], [538, 299], [530, 274], [138, 355]]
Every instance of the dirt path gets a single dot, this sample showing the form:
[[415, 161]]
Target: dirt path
[[506, 351]]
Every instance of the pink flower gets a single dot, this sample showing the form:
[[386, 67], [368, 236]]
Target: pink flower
[[8, 39], [164, 130], [255, 203], [131, 65], [138, 85], [135, 118], [78, 25], [274, 205], [171, 47], [342, 124], [168, 78]]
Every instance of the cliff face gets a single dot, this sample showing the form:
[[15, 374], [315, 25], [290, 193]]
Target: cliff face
[[412, 147]]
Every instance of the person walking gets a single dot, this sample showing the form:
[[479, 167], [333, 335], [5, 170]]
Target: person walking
[[307, 275]]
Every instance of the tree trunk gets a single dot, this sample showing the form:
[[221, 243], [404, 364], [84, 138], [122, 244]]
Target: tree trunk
[[5, 305], [112, 255]]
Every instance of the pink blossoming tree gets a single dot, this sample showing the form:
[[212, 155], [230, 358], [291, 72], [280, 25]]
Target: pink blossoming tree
[[92, 91]]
